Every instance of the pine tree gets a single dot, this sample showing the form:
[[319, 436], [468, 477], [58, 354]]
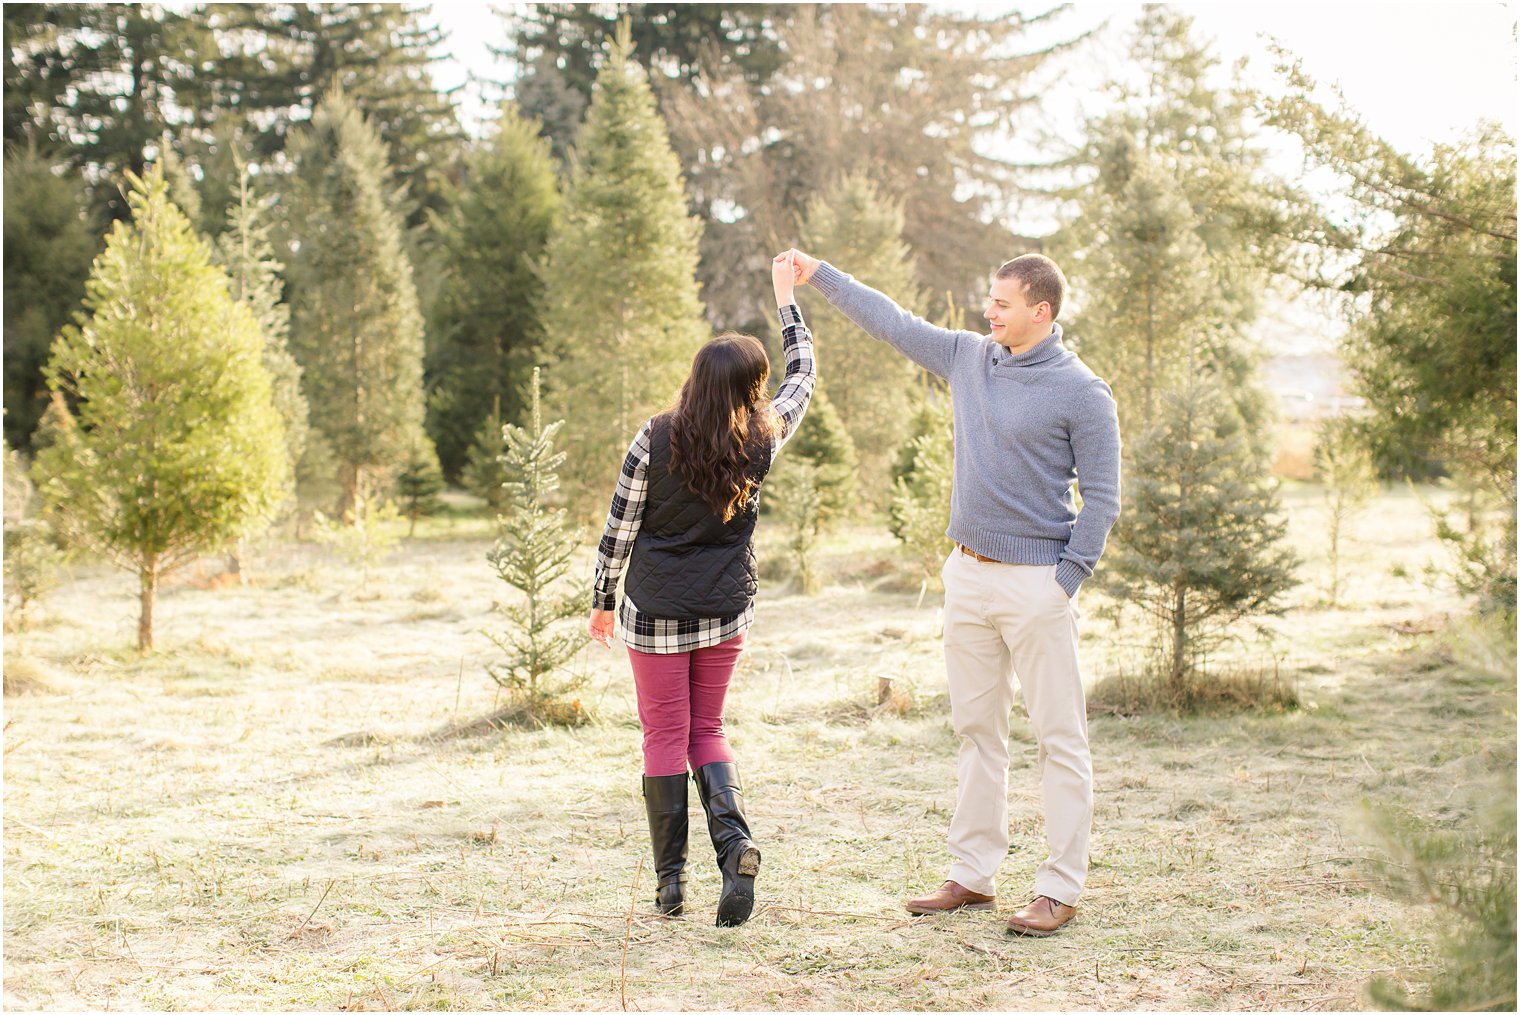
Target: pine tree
[[355, 328], [49, 243], [812, 486], [275, 63], [246, 253], [1200, 541], [32, 554], [1465, 871], [484, 471], [869, 384], [485, 326], [418, 486], [921, 487], [1430, 252], [534, 544], [1347, 482], [1177, 233], [178, 448], [622, 315]]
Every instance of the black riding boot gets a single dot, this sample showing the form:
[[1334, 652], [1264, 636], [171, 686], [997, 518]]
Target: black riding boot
[[738, 858], [665, 803]]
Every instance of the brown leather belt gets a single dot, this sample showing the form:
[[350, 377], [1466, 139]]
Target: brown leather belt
[[968, 551]]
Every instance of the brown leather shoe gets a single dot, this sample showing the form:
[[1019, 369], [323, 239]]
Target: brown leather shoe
[[1041, 918], [949, 898]]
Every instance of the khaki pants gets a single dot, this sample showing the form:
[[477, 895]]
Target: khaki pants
[[1005, 622]]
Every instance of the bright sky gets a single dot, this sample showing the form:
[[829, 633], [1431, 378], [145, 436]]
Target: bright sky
[[1417, 73]]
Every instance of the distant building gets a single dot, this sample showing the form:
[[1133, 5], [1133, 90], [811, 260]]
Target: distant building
[[1310, 386]]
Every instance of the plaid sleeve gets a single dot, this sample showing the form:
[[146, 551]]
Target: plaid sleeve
[[796, 391], [622, 523]]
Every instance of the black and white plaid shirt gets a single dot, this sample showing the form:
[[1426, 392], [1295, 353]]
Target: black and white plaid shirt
[[659, 635]]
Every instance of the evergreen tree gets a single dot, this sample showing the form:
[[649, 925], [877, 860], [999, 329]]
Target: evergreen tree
[[1148, 293], [355, 328], [1347, 482], [485, 324], [534, 544], [1178, 232], [622, 315], [855, 83], [49, 243], [869, 384], [32, 554], [921, 487], [1200, 544], [485, 473], [178, 448], [1465, 871], [812, 486], [246, 253], [418, 486], [275, 64], [1431, 257]]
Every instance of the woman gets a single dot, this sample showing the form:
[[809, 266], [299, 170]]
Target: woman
[[683, 520]]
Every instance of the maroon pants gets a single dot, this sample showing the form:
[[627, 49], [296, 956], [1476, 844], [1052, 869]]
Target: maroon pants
[[681, 706]]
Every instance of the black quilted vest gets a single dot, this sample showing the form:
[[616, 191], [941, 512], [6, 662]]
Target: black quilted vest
[[687, 563]]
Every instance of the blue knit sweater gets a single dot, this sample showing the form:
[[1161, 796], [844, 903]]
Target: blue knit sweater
[[1027, 427]]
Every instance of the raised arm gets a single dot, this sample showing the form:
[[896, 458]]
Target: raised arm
[[930, 346], [796, 391]]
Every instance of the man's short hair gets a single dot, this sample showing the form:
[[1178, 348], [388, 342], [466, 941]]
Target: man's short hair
[[1042, 278]]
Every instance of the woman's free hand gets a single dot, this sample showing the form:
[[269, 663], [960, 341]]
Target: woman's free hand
[[783, 278], [601, 627]]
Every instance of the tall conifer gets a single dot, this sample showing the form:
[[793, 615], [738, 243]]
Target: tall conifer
[[622, 315], [355, 326], [486, 323], [247, 254], [869, 384], [49, 243]]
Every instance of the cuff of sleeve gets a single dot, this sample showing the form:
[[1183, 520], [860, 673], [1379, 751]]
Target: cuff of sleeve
[[828, 279], [1070, 576], [791, 314], [603, 602]]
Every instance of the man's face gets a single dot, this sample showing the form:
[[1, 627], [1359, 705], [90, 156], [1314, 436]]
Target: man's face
[[1016, 325]]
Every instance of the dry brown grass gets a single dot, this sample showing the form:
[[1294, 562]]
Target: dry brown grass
[[260, 817]]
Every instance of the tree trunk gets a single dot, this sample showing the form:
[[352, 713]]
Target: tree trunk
[[1178, 675], [149, 576]]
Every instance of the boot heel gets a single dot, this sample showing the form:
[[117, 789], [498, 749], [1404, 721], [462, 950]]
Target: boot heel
[[749, 862]]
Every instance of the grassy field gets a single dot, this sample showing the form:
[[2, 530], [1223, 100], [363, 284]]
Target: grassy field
[[264, 814]]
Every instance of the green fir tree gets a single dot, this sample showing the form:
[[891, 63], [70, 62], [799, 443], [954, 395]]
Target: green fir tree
[[622, 317], [485, 471], [921, 488], [1348, 482], [355, 326], [418, 486], [869, 384], [532, 555], [485, 326], [246, 252], [1201, 539], [812, 486], [178, 448], [49, 244]]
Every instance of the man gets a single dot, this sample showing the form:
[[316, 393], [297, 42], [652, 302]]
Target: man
[[1030, 420]]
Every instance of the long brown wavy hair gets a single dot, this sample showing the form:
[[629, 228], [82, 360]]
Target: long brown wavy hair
[[721, 404]]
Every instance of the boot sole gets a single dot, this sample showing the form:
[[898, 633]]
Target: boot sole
[[737, 906]]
